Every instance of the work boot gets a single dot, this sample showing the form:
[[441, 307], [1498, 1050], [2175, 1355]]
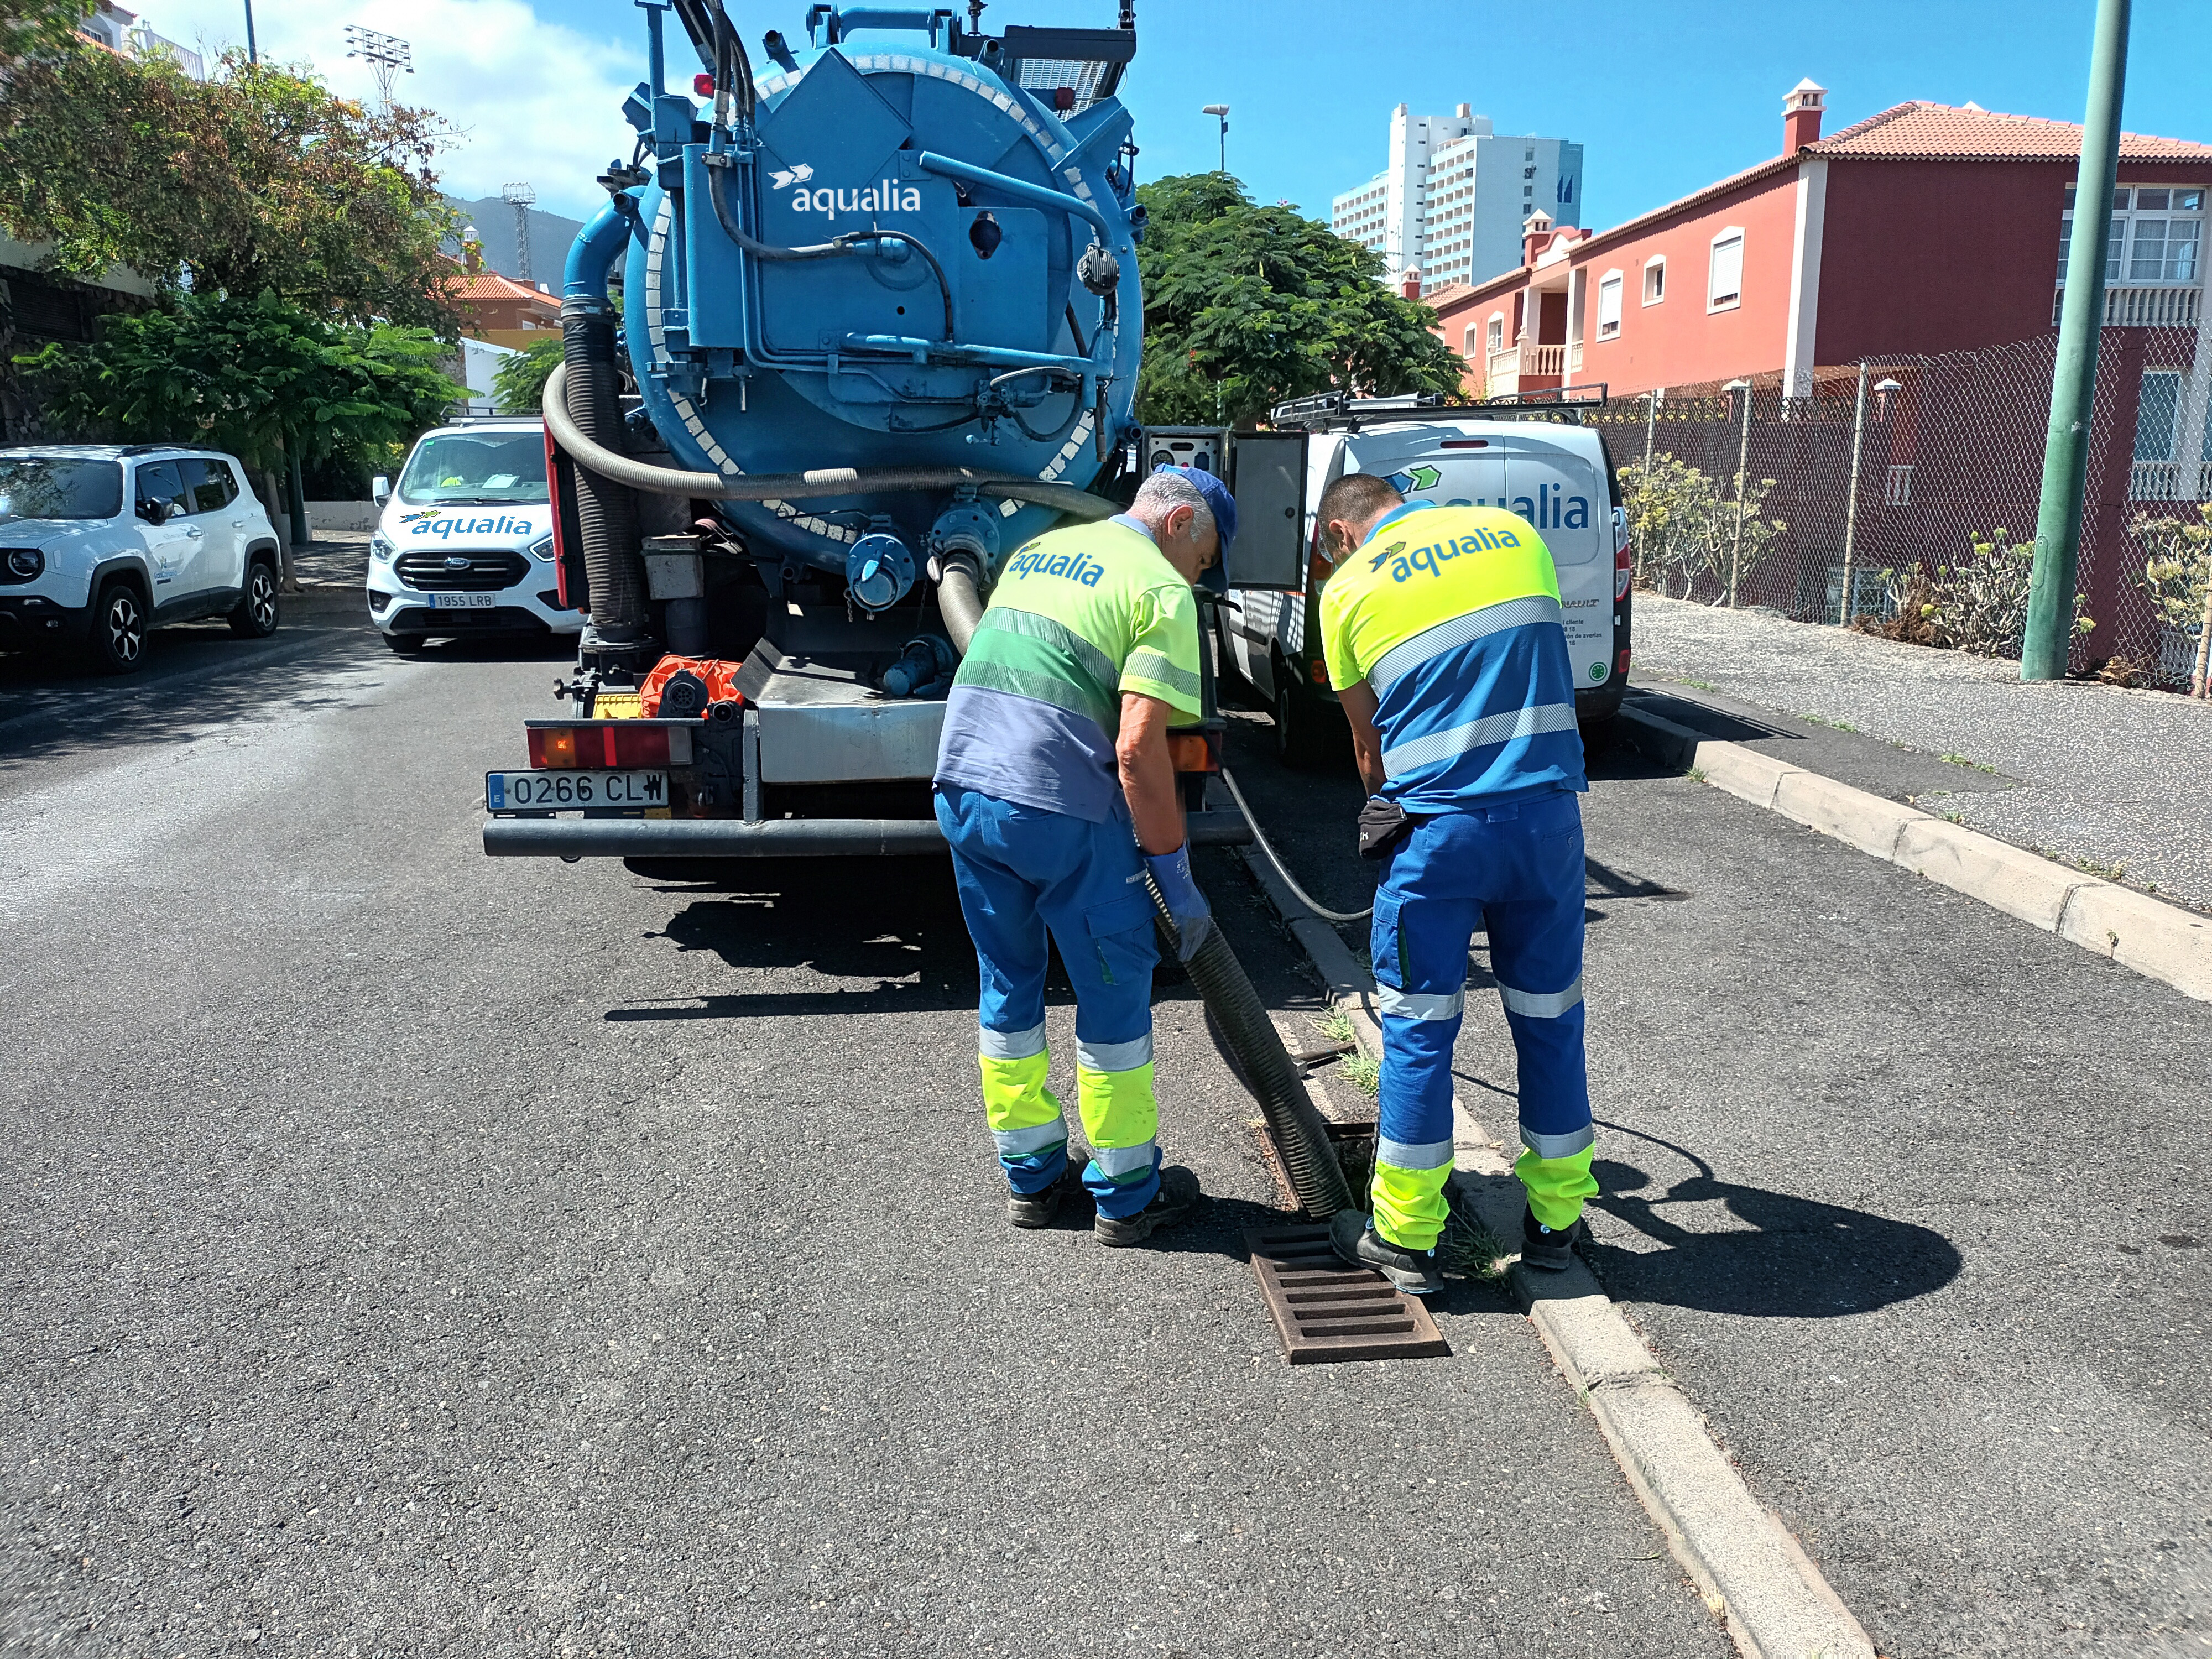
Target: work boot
[[1547, 1248], [1177, 1197], [1414, 1271], [1034, 1210]]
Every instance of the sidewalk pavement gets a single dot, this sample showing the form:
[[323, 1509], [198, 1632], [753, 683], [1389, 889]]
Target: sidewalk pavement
[[2097, 776], [334, 561]]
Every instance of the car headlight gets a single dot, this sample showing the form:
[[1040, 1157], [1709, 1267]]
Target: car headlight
[[24, 562], [542, 548], [380, 548]]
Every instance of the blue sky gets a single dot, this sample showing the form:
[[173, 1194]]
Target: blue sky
[[1664, 97]]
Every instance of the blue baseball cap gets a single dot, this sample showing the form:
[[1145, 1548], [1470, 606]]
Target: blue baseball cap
[[1219, 501]]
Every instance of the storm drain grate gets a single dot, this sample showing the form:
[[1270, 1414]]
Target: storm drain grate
[[1326, 1312]]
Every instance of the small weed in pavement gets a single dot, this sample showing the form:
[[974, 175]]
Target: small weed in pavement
[[1833, 725], [1695, 774], [1363, 1075], [1968, 760], [1467, 1246], [1335, 1025], [1699, 685]]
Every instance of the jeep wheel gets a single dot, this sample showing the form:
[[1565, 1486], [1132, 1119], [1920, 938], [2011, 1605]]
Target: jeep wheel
[[256, 615], [118, 644], [1301, 733]]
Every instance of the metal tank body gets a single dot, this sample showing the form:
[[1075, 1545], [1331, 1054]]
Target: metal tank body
[[955, 326]]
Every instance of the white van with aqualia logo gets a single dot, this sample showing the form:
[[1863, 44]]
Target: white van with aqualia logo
[[1545, 467], [465, 543]]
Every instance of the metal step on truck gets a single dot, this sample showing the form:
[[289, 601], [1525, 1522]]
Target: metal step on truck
[[879, 329]]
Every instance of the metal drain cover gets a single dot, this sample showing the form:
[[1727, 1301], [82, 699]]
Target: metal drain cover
[[1325, 1310]]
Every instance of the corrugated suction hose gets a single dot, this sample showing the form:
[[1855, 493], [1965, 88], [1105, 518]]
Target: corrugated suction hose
[[1301, 1134], [605, 512]]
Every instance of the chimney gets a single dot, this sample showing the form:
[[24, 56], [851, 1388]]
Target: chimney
[[1411, 286], [1466, 110], [1536, 232], [1801, 115]]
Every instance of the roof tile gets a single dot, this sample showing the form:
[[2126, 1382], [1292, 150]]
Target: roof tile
[[1921, 130]]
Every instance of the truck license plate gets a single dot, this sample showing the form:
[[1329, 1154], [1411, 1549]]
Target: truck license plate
[[541, 792], [464, 602]]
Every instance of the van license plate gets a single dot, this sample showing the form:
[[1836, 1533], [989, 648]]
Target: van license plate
[[542, 791], [464, 602]]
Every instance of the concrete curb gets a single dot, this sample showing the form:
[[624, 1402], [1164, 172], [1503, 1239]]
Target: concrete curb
[[2158, 940], [1741, 1559]]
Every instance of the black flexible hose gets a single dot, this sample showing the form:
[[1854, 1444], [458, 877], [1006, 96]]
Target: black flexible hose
[[837, 247], [605, 513], [1301, 1134]]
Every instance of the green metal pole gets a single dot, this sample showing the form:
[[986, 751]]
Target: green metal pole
[[2074, 385]]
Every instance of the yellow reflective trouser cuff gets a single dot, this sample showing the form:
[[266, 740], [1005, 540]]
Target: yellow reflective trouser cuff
[[1557, 1186], [1015, 1097], [1121, 1115], [1410, 1205]]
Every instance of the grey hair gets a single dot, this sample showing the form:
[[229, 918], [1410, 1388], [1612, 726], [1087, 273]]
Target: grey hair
[[1164, 489]]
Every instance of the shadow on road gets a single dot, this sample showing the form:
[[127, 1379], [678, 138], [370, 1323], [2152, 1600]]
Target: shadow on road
[[1789, 1258]]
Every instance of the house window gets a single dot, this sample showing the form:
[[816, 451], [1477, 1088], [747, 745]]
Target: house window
[[1725, 284], [1497, 336], [2156, 412], [1468, 343], [1608, 305], [2155, 235], [1655, 280]]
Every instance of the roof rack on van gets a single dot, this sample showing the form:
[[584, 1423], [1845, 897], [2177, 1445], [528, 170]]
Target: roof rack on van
[[1338, 409]]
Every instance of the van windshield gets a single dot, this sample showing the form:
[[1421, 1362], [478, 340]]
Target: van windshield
[[36, 487], [476, 467]]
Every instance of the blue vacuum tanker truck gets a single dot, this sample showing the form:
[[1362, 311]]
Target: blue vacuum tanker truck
[[880, 326]]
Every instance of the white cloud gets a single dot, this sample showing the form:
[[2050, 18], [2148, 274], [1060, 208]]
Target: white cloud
[[535, 101]]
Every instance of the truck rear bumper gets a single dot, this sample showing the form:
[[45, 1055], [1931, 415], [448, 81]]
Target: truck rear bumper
[[772, 838]]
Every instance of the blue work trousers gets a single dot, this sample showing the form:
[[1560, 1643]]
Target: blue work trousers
[[1024, 873], [1515, 870]]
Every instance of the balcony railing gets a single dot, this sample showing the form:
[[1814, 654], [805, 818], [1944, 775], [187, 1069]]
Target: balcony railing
[[2170, 481], [1506, 369], [1574, 357], [2141, 308]]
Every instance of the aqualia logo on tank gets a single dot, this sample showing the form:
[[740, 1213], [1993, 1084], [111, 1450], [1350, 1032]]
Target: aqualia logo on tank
[[885, 196]]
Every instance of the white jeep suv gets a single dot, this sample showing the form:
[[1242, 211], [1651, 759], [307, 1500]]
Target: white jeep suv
[[99, 542]]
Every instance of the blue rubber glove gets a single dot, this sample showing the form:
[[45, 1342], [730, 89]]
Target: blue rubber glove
[[1186, 904]]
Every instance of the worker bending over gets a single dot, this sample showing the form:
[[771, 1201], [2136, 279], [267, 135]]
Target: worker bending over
[[1443, 633], [1053, 771]]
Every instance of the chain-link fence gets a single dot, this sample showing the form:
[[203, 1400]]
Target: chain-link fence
[[1903, 499]]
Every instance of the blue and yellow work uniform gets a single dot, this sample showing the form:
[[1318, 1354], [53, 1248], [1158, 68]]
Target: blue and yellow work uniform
[[1451, 615], [1029, 793]]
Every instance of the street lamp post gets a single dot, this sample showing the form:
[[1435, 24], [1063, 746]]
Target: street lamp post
[[252, 52], [1221, 110]]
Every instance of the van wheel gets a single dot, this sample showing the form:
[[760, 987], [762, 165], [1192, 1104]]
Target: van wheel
[[256, 615], [1300, 735], [118, 629]]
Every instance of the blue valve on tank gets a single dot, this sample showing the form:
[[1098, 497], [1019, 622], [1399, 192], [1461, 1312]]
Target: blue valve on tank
[[924, 668], [879, 571]]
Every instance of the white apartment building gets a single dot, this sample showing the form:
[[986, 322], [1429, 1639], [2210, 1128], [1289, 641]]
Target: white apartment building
[[1450, 203]]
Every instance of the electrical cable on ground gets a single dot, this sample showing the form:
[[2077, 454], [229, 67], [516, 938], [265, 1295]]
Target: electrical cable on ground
[[1291, 881]]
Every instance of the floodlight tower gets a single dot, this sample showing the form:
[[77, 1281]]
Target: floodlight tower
[[386, 54], [519, 197]]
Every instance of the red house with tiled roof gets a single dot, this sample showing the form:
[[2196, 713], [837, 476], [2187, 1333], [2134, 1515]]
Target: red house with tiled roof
[[504, 312], [1923, 229]]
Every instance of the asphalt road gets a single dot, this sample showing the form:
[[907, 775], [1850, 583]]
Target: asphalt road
[[409, 1252], [1915, 1200]]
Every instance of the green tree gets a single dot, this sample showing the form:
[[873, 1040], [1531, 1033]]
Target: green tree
[[1245, 306], [255, 180], [262, 378], [2177, 576], [36, 28], [519, 382], [1683, 520]]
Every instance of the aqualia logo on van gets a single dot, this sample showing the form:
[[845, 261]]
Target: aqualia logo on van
[[885, 196], [1549, 509], [435, 523]]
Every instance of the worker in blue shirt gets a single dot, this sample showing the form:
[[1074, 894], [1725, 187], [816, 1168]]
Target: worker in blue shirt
[[1442, 628]]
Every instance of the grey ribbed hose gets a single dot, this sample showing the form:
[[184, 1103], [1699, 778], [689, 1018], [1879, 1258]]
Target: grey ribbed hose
[[596, 457]]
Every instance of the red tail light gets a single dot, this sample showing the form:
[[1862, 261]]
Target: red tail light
[[610, 745], [1620, 663], [1191, 752], [1624, 570]]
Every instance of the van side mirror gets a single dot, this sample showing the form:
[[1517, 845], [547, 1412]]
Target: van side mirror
[[380, 489]]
